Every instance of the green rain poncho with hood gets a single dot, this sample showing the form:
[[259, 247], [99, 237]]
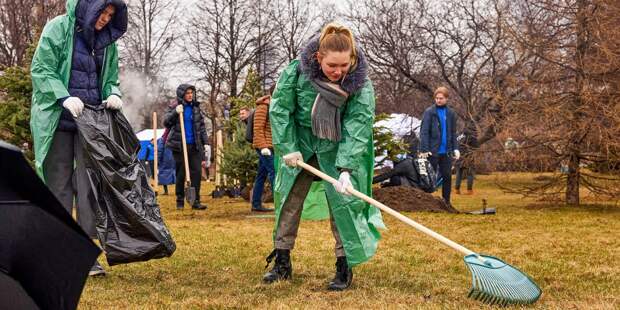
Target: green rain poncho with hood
[[51, 69], [290, 116]]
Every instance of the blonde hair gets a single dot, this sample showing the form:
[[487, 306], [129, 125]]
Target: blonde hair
[[337, 38], [441, 90]]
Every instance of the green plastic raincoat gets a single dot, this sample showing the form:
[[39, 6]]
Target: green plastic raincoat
[[290, 116], [50, 70]]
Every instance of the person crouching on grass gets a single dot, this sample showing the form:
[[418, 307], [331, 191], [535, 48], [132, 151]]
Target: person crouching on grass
[[322, 113]]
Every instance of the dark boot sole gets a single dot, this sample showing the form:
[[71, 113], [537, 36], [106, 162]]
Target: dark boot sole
[[330, 287], [262, 210], [288, 277]]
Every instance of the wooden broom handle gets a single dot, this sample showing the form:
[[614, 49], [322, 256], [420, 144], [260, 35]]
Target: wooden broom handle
[[155, 150], [184, 148], [387, 209]]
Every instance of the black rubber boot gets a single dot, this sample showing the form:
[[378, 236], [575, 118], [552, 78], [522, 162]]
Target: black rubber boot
[[198, 206], [282, 269], [344, 275]]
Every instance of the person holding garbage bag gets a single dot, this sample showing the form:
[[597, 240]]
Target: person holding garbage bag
[[322, 113], [196, 140], [75, 64]]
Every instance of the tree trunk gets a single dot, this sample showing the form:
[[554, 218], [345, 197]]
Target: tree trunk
[[572, 182]]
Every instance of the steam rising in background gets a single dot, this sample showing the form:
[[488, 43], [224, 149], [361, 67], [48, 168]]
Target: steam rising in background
[[139, 98]]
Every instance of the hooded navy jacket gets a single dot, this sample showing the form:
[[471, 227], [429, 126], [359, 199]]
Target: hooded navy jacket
[[88, 51]]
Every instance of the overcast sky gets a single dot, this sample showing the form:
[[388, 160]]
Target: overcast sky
[[186, 74]]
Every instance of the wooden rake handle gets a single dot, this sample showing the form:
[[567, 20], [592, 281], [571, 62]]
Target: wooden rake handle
[[389, 210], [185, 161]]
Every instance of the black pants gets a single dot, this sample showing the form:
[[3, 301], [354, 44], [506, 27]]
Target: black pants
[[194, 160], [443, 166]]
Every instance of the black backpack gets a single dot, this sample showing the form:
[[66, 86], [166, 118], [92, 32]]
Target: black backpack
[[249, 128]]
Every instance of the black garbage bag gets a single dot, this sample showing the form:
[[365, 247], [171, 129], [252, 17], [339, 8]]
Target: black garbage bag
[[129, 223], [427, 176]]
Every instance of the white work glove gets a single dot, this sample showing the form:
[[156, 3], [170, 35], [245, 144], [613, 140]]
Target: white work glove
[[291, 159], [179, 109], [74, 105], [425, 155], [114, 102], [457, 154], [344, 181], [265, 152]]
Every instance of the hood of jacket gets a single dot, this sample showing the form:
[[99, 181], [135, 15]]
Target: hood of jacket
[[87, 12], [181, 93], [309, 65]]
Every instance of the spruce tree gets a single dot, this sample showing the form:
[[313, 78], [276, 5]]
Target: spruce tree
[[240, 160], [15, 96]]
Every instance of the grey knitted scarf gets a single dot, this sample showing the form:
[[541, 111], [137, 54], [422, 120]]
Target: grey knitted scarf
[[325, 116]]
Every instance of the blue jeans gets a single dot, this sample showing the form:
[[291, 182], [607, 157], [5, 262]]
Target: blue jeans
[[265, 169]]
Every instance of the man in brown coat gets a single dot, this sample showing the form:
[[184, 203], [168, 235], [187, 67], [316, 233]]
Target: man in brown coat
[[261, 141]]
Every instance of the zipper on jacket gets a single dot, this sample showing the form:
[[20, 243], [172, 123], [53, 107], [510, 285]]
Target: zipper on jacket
[[103, 65]]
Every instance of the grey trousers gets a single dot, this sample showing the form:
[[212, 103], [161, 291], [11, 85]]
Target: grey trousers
[[290, 214], [67, 181]]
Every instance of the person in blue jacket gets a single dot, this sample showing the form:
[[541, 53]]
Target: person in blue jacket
[[147, 157], [166, 166], [438, 139]]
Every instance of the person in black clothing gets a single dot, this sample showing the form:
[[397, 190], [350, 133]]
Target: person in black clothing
[[403, 174], [465, 166], [195, 137]]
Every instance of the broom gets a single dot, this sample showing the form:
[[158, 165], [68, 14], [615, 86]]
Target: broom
[[494, 281]]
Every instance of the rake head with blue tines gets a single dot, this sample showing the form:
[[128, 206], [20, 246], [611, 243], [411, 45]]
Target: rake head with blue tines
[[495, 282]]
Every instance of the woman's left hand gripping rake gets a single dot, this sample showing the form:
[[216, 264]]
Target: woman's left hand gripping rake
[[494, 281]]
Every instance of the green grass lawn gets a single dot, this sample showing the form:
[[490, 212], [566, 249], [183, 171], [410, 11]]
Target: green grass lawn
[[572, 253]]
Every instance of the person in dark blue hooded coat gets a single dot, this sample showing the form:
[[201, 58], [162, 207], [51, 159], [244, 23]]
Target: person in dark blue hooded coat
[[166, 166], [75, 64], [187, 107]]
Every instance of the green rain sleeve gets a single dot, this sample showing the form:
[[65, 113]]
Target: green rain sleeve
[[110, 77], [50, 74], [356, 128], [281, 111], [46, 81]]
